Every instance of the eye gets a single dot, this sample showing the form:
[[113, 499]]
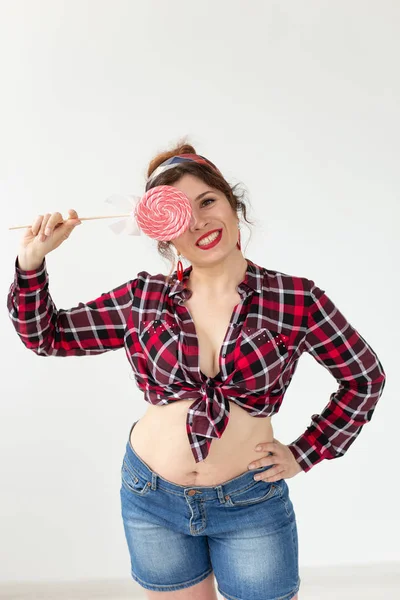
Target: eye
[[208, 200]]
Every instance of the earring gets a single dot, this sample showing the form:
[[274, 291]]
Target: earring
[[179, 269], [238, 242]]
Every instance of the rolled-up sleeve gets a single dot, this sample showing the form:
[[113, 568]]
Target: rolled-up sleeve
[[338, 347]]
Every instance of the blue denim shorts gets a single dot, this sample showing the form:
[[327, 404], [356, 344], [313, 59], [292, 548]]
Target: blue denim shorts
[[243, 531]]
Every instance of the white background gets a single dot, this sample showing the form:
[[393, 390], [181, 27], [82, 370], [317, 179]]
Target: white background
[[299, 102]]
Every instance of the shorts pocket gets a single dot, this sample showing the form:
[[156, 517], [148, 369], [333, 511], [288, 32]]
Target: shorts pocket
[[256, 492], [133, 481]]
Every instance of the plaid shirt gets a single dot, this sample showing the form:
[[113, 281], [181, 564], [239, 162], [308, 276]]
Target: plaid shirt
[[279, 317]]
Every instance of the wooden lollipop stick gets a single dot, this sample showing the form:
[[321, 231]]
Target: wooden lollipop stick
[[80, 219]]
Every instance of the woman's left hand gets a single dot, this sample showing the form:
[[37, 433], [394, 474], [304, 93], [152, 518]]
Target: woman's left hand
[[285, 464]]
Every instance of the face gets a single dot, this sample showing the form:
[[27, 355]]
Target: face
[[209, 212]]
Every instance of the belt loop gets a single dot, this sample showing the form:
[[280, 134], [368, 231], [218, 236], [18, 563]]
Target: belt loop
[[220, 494]]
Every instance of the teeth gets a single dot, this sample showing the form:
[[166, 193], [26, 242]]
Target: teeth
[[209, 239]]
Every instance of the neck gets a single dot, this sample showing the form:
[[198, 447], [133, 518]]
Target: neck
[[220, 278]]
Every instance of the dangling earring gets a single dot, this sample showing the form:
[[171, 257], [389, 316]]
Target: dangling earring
[[179, 269], [238, 242]]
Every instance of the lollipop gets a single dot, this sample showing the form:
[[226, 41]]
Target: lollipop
[[163, 213]]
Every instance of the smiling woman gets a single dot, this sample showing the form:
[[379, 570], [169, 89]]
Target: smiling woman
[[214, 352], [222, 343], [200, 331]]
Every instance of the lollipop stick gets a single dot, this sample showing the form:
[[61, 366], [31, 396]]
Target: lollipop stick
[[80, 218]]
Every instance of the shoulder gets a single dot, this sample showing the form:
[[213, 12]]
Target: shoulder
[[295, 290], [280, 281], [289, 289], [151, 282]]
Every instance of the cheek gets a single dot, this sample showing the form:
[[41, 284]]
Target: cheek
[[180, 245]]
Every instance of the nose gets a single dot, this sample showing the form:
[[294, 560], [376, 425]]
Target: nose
[[195, 222]]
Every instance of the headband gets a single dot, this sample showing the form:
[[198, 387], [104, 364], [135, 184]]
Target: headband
[[177, 160]]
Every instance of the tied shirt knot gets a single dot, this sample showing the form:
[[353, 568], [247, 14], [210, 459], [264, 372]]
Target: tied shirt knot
[[209, 415]]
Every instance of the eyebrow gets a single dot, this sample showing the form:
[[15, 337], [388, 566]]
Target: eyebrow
[[203, 194]]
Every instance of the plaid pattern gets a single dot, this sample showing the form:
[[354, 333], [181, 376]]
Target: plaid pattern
[[279, 317]]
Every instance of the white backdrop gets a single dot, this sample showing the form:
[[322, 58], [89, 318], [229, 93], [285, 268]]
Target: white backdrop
[[298, 101]]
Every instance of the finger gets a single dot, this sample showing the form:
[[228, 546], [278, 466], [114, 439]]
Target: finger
[[55, 220], [36, 224], [263, 448], [42, 235], [271, 475], [73, 213], [267, 461], [266, 446], [73, 218]]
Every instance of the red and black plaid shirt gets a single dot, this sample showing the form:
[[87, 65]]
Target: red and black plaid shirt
[[279, 317]]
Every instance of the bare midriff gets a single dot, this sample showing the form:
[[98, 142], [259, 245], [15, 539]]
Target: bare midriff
[[159, 438]]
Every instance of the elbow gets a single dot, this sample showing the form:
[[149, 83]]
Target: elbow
[[39, 349]]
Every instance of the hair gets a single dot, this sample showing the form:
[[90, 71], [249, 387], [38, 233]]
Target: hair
[[201, 171]]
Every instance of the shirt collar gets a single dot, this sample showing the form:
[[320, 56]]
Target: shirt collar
[[253, 279]]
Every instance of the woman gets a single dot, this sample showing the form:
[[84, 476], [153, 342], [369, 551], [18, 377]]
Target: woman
[[213, 348]]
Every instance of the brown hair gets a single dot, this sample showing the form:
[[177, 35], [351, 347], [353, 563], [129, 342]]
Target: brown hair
[[203, 172]]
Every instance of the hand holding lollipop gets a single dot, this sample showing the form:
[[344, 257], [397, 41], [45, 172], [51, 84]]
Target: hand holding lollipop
[[163, 213]]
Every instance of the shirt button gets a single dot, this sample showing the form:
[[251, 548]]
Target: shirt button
[[224, 355]]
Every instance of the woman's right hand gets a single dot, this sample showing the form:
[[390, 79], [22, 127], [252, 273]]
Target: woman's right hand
[[46, 234]]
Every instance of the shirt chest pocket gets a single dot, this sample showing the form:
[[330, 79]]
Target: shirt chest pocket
[[262, 356], [159, 340]]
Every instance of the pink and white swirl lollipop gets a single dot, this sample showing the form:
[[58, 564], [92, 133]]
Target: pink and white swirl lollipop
[[163, 213]]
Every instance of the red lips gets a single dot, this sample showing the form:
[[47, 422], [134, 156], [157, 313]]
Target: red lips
[[207, 234]]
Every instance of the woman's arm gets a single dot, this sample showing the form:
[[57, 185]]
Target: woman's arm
[[338, 347], [86, 329]]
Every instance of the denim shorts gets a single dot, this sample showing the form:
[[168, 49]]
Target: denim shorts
[[243, 531]]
